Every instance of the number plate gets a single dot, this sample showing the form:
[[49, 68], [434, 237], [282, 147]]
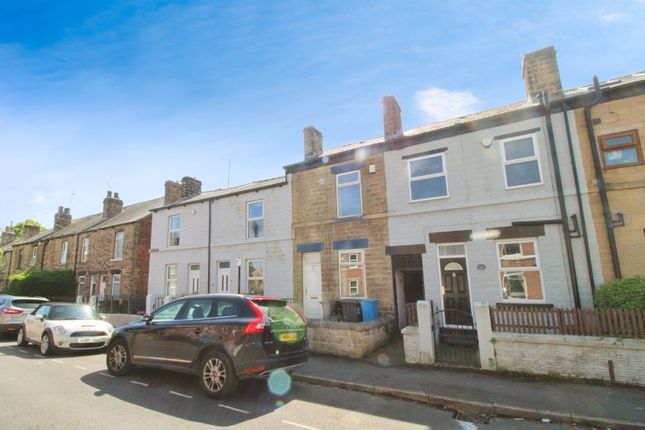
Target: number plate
[[288, 337], [85, 340]]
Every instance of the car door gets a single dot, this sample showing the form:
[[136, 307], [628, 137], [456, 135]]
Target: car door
[[35, 326], [146, 338], [190, 331]]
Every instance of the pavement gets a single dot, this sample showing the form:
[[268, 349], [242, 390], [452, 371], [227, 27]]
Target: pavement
[[484, 394]]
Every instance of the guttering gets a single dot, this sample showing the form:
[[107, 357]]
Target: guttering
[[561, 202]]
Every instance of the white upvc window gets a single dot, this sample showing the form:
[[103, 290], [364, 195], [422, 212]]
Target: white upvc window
[[85, 249], [34, 256], [118, 245], [116, 285], [255, 277], [171, 280], [81, 285], [520, 273], [174, 230], [351, 265], [255, 220], [63, 253], [521, 161], [348, 194], [428, 177]]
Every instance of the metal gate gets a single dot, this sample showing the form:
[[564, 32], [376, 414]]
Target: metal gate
[[455, 338]]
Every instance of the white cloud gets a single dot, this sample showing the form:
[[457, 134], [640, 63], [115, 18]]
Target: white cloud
[[611, 17], [39, 199], [439, 104]]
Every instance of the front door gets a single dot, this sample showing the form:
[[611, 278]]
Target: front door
[[312, 285], [224, 277], [455, 290], [193, 278], [102, 285]]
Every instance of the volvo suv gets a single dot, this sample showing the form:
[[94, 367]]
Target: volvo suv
[[220, 338]]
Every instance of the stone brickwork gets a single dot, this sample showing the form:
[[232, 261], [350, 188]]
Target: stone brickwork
[[540, 73], [354, 340]]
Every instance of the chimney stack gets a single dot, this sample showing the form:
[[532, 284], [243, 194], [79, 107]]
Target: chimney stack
[[541, 74], [7, 236], [112, 205], [63, 218], [172, 192], [392, 128], [313, 142], [31, 231], [190, 187]]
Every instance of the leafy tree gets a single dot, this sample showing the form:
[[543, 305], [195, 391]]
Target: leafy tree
[[55, 284], [628, 293], [19, 228]]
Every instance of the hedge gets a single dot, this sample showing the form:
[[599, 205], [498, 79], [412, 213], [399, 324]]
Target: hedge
[[628, 293], [55, 284]]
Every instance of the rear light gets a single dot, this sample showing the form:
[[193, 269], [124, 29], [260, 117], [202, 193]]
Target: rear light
[[254, 369], [256, 326], [11, 311], [298, 312]]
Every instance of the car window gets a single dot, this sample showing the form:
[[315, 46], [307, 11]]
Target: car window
[[225, 308], [169, 312], [43, 311], [26, 303], [198, 309], [82, 312]]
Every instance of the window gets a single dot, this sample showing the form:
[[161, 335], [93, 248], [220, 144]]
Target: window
[[43, 311], [255, 277], [93, 285], [63, 253], [352, 273], [85, 249], [19, 259], [169, 312], [118, 245], [174, 230], [116, 285], [521, 162], [348, 194], [428, 178], [621, 149], [519, 270], [171, 280], [102, 285], [198, 309], [255, 220], [81, 285], [34, 256]]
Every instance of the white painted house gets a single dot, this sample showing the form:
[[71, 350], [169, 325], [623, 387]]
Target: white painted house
[[233, 240]]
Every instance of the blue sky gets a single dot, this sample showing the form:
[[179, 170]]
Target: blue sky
[[126, 95]]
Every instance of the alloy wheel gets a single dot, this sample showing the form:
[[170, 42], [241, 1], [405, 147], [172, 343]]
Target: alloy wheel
[[117, 357], [44, 344], [214, 374], [21, 336]]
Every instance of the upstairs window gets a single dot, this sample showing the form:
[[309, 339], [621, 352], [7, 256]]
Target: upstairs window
[[174, 230], [118, 245], [348, 193], [255, 220], [621, 149], [521, 162], [63, 253], [519, 270], [428, 177], [85, 249]]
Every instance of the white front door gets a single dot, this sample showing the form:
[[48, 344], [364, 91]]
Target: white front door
[[312, 285], [102, 286], [224, 277], [193, 278]]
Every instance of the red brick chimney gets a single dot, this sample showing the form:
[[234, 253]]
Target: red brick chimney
[[63, 218], [392, 128], [112, 205], [313, 142], [541, 74]]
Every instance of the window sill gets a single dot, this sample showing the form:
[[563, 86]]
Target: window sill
[[349, 218], [430, 199], [116, 259], [537, 184]]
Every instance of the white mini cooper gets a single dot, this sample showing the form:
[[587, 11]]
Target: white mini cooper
[[65, 326]]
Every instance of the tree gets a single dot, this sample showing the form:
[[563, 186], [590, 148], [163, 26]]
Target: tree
[[19, 228]]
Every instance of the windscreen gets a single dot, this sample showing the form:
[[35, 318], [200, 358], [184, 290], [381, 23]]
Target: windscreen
[[26, 303], [286, 324], [73, 313]]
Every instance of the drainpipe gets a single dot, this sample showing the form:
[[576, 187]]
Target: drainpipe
[[583, 222], [602, 188], [562, 204], [75, 255], [208, 265]]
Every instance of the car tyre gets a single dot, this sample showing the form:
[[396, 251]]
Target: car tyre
[[117, 358], [46, 345], [22, 339], [217, 376]]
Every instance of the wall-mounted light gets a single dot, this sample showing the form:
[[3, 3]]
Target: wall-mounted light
[[487, 142]]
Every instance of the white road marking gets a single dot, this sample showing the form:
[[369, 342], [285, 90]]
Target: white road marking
[[180, 395], [79, 367], [302, 426], [140, 383], [23, 351], [58, 361], [466, 425], [242, 411], [107, 374]]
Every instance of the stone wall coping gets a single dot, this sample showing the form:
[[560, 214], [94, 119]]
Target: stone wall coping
[[567, 340], [410, 330], [353, 326]]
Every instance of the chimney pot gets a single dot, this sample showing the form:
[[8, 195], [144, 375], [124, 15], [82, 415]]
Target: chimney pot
[[313, 142], [30, 230], [112, 205], [541, 74], [62, 218], [190, 187], [392, 128]]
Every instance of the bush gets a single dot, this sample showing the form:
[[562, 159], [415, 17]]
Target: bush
[[50, 284], [626, 293]]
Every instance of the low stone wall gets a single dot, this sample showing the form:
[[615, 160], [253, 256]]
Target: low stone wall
[[571, 356], [118, 320], [347, 339]]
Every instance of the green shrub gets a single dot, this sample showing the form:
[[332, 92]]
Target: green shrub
[[626, 293], [55, 284]]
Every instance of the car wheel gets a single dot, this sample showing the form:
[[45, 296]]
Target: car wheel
[[46, 346], [118, 359], [216, 375], [21, 339]]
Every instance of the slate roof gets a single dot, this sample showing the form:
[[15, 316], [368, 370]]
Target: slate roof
[[36, 238], [130, 213], [78, 225]]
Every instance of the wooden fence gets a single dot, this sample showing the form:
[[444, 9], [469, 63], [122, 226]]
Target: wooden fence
[[411, 314], [576, 322]]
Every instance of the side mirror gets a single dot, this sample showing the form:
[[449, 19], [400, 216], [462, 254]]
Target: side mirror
[[147, 318], [38, 317]]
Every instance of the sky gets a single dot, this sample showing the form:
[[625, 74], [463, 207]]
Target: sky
[[122, 96]]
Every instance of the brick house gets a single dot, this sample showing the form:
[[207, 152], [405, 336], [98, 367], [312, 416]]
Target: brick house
[[27, 252], [6, 239]]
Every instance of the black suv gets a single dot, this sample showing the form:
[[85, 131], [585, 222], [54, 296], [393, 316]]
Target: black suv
[[221, 338]]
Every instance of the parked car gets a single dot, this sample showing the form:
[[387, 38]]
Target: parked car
[[14, 309], [221, 338], [65, 326]]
